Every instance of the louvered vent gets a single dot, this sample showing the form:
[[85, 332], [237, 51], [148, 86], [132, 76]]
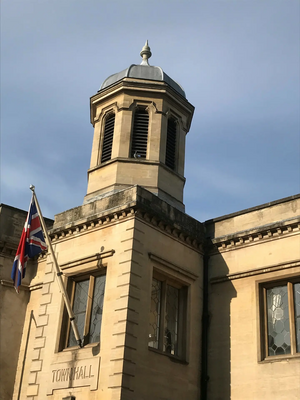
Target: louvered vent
[[171, 144], [140, 134], [108, 138]]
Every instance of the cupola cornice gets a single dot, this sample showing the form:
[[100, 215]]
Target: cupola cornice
[[151, 88]]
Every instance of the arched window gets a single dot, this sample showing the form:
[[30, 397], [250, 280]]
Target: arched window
[[140, 134], [108, 137], [171, 144]]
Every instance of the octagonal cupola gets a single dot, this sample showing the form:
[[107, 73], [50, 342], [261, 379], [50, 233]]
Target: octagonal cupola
[[140, 117], [143, 71]]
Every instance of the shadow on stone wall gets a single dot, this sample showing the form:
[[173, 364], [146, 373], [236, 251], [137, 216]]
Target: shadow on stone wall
[[220, 293]]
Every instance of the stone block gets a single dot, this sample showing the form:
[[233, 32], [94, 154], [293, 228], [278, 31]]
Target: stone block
[[32, 378], [125, 339], [121, 303], [127, 381], [117, 353], [49, 278], [42, 320], [133, 303], [129, 367], [127, 235], [116, 392], [131, 341], [39, 343], [36, 354], [119, 327], [32, 390], [48, 268], [127, 278], [115, 380], [46, 288], [36, 366], [129, 315], [39, 332], [127, 394], [43, 309], [46, 298], [129, 353]]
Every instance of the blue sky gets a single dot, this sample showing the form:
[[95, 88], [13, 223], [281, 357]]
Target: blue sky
[[238, 61]]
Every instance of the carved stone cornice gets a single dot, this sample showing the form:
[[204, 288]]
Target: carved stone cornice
[[8, 249], [10, 284], [177, 232], [87, 224], [106, 219], [274, 231], [133, 202]]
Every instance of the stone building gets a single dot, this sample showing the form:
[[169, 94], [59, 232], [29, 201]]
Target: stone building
[[168, 307]]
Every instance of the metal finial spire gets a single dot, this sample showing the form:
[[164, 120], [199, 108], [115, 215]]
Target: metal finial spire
[[145, 53]]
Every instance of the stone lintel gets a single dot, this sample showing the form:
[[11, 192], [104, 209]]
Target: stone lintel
[[85, 263]]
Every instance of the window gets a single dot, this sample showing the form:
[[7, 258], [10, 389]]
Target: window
[[140, 134], [171, 144], [167, 317], [108, 137], [281, 318], [87, 294]]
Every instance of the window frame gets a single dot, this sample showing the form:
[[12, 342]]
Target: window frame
[[263, 319], [182, 315], [66, 323]]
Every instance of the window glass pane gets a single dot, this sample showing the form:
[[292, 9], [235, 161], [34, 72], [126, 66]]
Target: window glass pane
[[297, 313], [155, 314], [278, 321], [171, 320], [97, 309], [79, 309]]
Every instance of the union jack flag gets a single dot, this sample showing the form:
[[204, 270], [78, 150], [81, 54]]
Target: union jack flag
[[32, 243]]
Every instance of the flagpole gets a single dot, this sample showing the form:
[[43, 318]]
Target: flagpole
[[58, 272]]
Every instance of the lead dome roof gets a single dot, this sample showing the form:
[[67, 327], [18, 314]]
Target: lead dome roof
[[143, 71]]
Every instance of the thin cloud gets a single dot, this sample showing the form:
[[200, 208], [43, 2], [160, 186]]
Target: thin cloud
[[224, 183], [237, 61]]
